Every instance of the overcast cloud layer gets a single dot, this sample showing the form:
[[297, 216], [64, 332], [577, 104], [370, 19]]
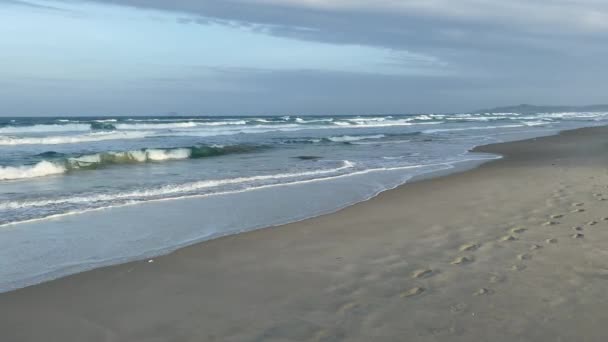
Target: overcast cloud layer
[[300, 56]]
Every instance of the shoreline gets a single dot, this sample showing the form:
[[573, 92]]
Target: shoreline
[[69, 270], [317, 247], [72, 269]]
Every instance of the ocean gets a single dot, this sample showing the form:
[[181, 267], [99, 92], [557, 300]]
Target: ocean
[[83, 192]]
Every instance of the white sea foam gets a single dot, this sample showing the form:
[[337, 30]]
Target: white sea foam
[[383, 122], [45, 128], [139, 156], [224, 123], [170, 189], [72, 139], [446, 165], [152, 126], [303, 121], [389, 142], [43, 168], [160, 154], [348, 138], [253, 129], [473, 128]]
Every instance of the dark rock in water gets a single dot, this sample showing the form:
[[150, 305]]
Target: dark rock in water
[[308, 157]]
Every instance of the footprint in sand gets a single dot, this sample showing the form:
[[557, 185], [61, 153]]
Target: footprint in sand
[[458, 308], [483, 292], [518, 230], [550, 223], [556, 216], [524, 256], [518, 267], [535, 247], [423, 273], [416, 291], [578, 204], [347, 307], [469, 247], [497, 278], [604, 218], [578, 210], [578, 236], [577, 228], [463, 260], [551, 241], [591, 223], [508, 238]]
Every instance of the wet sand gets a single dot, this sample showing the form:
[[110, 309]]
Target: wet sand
[[515, 250]]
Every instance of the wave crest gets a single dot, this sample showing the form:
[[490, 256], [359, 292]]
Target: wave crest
[[56, 140], [43, 168], [92, 161]]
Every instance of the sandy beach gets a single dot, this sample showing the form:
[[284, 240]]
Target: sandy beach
[[514, 250]]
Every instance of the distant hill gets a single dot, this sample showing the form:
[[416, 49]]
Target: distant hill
[[529, 109]]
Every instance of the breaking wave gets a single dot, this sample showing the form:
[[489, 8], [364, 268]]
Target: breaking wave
[[167, 190], [43, 168], [92, 161], [348, 138]]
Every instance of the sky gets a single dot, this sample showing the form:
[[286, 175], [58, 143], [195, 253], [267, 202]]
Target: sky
[[279, 57]]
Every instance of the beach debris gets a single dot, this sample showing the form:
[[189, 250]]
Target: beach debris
[[463, 260], [422, 273], [150, 261], [412, 292]]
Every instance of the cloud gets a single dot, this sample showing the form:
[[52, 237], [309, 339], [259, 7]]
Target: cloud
[[577, 14], [453, 31], [473, 54], [32, 5]]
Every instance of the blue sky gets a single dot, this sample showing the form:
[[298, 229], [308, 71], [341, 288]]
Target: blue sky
[[297, 56]]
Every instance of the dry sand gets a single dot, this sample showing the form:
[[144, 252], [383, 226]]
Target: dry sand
[[515, 250]]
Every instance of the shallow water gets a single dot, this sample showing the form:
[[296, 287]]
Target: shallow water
[[77, 193]]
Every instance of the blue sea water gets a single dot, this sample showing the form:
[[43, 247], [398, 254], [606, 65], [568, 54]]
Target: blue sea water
[[81, 192]]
